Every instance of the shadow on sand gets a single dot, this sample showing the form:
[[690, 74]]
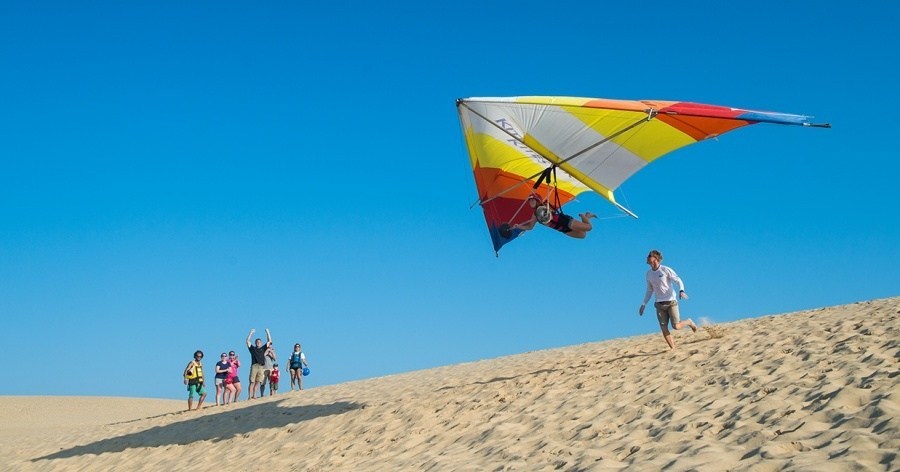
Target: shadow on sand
[[224, 425], [583, 365]]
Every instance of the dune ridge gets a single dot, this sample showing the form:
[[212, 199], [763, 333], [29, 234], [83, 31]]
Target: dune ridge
[[781, 392]]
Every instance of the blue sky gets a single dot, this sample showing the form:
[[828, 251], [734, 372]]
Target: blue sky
[[173, 175]]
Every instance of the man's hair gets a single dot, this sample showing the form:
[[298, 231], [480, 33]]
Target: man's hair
[[656, 254]]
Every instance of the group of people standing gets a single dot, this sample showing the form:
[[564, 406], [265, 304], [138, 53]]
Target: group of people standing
[[661, 281], [263, 371]]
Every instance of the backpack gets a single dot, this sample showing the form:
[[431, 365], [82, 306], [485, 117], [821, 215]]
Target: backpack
[[194, 374], [296, 360]]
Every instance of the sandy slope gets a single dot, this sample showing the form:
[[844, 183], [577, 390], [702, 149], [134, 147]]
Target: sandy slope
[[786, 392]]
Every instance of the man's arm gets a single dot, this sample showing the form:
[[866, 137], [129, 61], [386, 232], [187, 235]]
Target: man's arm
[[647, 295], [526, 225], [675, 278], [268, 337], [250, 336]]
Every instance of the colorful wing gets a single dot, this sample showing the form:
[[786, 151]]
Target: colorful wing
[[595, 144]]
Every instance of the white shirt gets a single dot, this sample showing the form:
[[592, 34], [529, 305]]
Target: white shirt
[[659, 283], [270, 359]]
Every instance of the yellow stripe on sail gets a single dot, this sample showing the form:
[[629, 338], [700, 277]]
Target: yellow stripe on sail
[[470, 146], [494, 153], [558, 101], [498, 154], [566, 186], [658, 137], [574, 172], [589, 182]]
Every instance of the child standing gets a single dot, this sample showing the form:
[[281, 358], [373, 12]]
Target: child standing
[[273, 379]]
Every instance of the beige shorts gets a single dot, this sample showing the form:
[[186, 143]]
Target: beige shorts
[[257, 373], [666, 312]]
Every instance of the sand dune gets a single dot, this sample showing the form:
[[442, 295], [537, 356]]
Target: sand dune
[[803, 391]]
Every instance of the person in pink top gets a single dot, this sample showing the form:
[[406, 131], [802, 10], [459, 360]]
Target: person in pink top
[[232, 381]]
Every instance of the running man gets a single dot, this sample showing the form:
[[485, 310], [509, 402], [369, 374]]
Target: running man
[[661, 282]]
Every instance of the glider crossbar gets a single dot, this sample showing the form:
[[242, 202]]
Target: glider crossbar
[[651, 113], [518, 210]]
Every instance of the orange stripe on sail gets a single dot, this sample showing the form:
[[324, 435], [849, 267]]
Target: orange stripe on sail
[[701, 127], [492, 182]]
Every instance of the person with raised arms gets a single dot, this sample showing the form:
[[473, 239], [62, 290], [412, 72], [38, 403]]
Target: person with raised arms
[[258, 366]]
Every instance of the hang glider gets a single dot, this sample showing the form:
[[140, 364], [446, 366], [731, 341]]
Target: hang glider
[[555, 148]]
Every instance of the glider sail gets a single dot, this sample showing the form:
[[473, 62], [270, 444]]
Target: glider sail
[[559, 147]]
